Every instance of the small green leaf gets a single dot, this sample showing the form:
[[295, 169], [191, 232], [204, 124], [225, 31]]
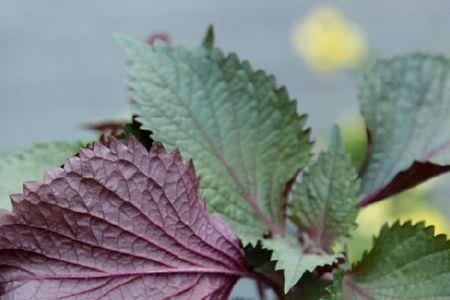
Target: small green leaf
[[17, 167], [405, 102], [208, 40], [406, 262], [242, 131], [323, 201], [292, 259], [134, 129]]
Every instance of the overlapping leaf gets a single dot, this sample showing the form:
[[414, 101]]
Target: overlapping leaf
[[116, 222], [29, 164], [405, 102], [243, 132], [323, 201], [292, 259], [406, 262]]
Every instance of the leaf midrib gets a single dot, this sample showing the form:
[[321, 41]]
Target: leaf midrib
[[249, 198]]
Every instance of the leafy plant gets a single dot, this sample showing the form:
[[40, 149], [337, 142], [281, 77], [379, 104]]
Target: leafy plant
[[123, 219]]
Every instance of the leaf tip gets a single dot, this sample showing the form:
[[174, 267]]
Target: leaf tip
[[336, 140], [208, 39], [157, 149], [126, 42], [120, 37], [15, 198], [176, 154], [134, 143]]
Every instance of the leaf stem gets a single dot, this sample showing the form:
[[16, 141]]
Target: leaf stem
[[262, 279], [260, 288]]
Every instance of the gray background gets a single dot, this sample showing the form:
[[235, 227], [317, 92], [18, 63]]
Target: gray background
[[59, 66]]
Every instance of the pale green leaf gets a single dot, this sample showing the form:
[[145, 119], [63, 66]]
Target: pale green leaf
[[323, 200], [406, 262], [243, 132], [29, 164], [405, 102], [290, 257]]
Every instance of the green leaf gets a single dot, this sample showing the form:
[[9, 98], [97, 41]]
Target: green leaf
[[292, 259], [208, 40], [323, 201], [243, 132], [17, 167], [406, 262], [405, 102]]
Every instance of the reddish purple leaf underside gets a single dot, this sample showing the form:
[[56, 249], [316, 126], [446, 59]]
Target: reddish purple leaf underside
[[415, 175], [116, 222], [159, 36], [419, 171]]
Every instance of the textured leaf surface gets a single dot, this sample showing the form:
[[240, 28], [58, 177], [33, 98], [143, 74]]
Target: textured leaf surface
[[406, 262], [116, 222], [323, 201], [28, 164], [243, 132], [405, 102], [292, 259]]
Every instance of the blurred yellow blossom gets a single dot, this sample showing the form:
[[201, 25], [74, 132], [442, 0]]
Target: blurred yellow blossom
[[431, 216], [328, 42]]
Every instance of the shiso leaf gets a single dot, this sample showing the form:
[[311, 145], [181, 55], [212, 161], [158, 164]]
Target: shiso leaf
[[406, 262], [323, 201], [242, 131], [405, 102], [117, 222]]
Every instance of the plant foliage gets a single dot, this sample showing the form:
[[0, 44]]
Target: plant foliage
[[117, 222], [293, 260], [121, 218], [323, 201], [406, 262], [405, 102], [243, 131], [28, 164]]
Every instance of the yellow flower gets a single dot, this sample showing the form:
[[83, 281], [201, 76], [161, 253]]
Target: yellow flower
[[328, 42]]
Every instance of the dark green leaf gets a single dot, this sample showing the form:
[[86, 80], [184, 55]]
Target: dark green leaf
[[406, 262], [208, 40]]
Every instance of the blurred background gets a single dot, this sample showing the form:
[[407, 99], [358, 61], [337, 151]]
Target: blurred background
[[60, 68]]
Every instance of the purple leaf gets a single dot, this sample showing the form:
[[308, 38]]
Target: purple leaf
[[116, 222], [159, 36], [417, 173]]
